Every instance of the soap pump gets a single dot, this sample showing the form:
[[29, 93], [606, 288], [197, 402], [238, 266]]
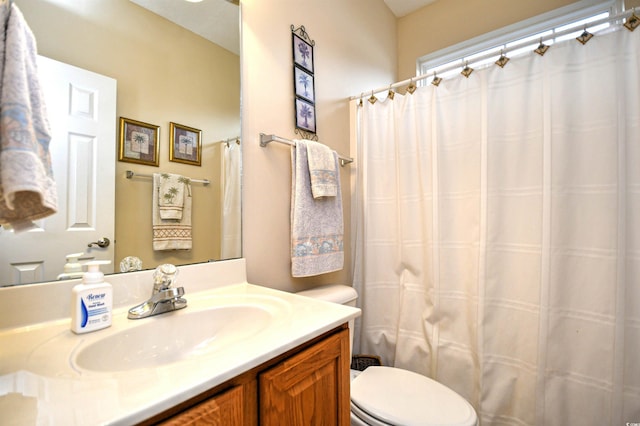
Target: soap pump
[[73, 268], [92, 300]]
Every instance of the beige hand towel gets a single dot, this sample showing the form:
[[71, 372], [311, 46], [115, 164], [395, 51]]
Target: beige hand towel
[[322, 170]]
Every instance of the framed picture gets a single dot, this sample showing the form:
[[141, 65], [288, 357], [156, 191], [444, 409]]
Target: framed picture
[[138, 142], [302, 53], [303, 83], [185, 144], [305, 115]]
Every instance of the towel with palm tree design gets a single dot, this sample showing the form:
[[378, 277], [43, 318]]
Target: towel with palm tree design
[[172, 195]]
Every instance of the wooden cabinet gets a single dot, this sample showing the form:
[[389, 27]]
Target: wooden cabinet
[[309, 388], [223, 409], [306, 386]]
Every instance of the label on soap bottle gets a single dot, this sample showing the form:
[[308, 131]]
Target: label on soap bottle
[[91, 307], [94, 309]]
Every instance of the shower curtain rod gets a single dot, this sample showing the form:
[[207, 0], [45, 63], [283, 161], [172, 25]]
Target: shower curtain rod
[[237, 139], [265, 139], [227, 140], [623, 15]]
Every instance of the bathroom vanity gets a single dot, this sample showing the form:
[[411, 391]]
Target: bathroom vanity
[[306, 386], [237, 354]]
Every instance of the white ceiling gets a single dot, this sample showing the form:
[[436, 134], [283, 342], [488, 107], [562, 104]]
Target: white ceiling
[[405, 7], [222, 23], [221, 26]]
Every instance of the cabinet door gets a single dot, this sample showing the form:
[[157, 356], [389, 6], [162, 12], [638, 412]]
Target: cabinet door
[[310, 388], [225, 409]]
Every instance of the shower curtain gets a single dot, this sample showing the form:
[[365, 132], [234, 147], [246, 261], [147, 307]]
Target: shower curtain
[[497, 234], [231, 209]]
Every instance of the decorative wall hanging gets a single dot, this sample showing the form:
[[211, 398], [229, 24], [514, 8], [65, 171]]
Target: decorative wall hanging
[[138, 142], [185, 144], [305, 116], [302, 48], [304, 83]]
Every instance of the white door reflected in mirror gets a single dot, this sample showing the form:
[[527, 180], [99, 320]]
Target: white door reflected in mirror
[[81, 106]]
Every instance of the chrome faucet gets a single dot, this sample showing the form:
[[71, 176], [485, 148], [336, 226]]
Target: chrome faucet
[[164, 297]]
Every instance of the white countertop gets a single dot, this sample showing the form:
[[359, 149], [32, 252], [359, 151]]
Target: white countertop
[[40, 383]]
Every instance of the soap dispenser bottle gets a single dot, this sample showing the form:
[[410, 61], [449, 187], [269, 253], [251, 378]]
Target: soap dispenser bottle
[[91, 301], [73, 268]]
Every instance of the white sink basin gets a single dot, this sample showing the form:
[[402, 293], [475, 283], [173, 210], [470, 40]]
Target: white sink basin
[[173, 337]]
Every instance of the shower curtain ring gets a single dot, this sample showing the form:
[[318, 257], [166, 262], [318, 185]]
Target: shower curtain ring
[[436, 80], [412, 87], [467, 70], [373, 99], [542, 48], [502, 60], [632, 21], [585, 36], [391, 93]]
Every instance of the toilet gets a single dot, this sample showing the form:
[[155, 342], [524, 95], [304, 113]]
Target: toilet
[[383, 396]]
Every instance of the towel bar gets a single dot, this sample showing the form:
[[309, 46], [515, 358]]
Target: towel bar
[[265, 139], [131, 174]]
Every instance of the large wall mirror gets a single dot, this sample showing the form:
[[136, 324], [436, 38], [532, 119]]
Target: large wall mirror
[[174, 62]]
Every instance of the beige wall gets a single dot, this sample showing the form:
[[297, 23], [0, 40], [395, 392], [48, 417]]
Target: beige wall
[[359, 46], [355, 50], [448, 22], [156, 64]]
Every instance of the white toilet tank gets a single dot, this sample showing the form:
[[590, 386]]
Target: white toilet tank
[[335, 293]]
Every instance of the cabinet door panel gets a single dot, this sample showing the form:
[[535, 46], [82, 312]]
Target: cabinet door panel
[[225, 409], [310, 388]]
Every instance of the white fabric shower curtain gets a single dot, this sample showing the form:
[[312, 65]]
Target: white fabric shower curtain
[[231, 209], [497, 234]]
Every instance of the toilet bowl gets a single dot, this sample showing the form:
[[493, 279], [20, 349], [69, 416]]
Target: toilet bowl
[[383, 396]]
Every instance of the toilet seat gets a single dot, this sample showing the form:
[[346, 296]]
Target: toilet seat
[[392, 396]]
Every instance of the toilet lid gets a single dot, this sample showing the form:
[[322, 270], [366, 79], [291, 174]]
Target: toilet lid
[[401, 397]]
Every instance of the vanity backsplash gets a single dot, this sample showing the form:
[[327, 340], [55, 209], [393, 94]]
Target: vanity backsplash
[[36, 303]]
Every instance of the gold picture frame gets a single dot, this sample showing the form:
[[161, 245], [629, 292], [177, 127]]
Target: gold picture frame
[[139, 142], [185, 145]]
